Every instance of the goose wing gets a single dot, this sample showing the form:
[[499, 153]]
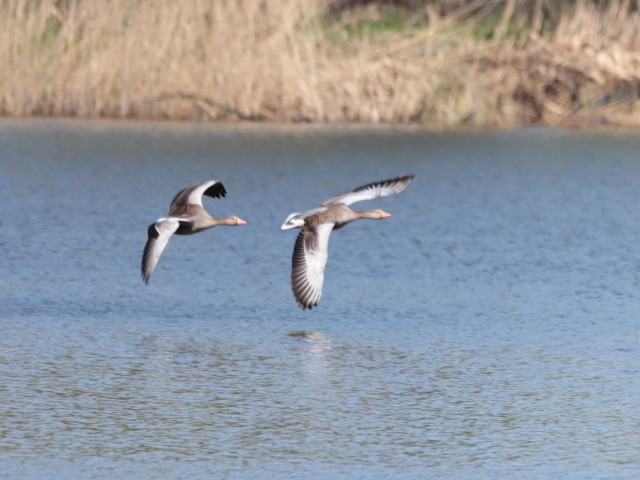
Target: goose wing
[[296, 220], [159, 235], [373, 190], [307, 267], [193, 195]]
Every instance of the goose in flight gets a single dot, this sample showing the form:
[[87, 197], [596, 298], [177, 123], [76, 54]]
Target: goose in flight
[[186, 217], [311, 248]]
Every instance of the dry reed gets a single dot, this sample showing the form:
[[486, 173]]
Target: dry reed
[[278, 60]]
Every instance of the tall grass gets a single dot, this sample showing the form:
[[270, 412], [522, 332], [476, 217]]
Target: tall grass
[[287, 60]]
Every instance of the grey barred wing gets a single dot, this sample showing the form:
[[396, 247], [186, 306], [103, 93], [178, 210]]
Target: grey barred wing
[[373, 190], [308, 263]]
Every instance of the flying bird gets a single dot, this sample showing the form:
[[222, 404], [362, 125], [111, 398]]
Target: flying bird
[[186, 217], [311, 248]]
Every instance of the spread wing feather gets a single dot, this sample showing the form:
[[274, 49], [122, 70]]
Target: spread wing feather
[[159, 234], [193, 195], [373, 190], [309, 260]]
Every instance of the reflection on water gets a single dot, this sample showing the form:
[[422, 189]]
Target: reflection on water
[[487, 330], [318, 346]]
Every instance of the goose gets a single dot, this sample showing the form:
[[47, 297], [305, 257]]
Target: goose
[[310, 252], [186, 217]]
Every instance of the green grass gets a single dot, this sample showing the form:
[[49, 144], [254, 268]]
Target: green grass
[[389, 21], [51, 30]]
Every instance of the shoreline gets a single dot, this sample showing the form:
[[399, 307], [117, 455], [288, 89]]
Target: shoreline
[[284, 127], [289, 62]]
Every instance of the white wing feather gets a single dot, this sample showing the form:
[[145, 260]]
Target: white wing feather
[[159, 235], [195, 196], [309, 260]]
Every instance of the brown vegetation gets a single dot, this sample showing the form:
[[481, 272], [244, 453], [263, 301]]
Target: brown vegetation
[[484, 63]]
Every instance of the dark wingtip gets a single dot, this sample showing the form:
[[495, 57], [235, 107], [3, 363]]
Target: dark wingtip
[[216, 190], [305, 306], [404, 178], [145, 278], [152, 232]]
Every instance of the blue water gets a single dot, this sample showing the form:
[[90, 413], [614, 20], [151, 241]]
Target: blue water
[[489, 329]]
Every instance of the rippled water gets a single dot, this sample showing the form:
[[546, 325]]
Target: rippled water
[[489, 329]]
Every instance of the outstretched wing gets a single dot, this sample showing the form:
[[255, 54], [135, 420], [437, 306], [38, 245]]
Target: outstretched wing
[[193, 195], [373, 190], [296, 220], [159, 235], [307, 266]]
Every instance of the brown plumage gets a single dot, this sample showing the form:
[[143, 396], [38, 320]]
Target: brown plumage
[[310, 252], [186, 217]]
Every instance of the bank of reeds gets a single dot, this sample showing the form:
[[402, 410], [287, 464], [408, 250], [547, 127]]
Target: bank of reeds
[[289, 60]]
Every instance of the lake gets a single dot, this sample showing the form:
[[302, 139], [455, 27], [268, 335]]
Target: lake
[[488, 329]]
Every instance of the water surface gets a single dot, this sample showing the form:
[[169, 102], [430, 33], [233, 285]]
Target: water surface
[[489, 329]]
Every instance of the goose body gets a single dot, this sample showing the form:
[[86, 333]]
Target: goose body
[[311, 249], [187, 216]]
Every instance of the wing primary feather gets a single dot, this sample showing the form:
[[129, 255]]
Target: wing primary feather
[[308, 263], [193, 195], [216, 190], [158, 234], [372, 190], [396, 184]]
